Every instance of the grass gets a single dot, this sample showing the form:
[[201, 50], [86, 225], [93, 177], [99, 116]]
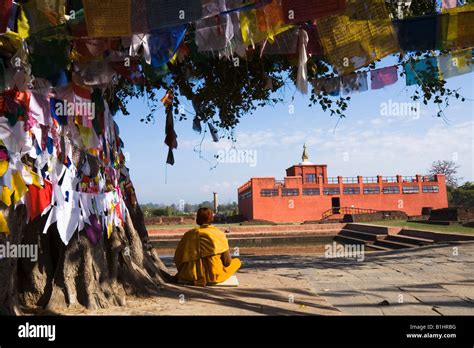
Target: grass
[[424, 226]]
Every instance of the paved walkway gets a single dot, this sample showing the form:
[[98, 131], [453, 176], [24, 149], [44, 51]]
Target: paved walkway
[[435, 280]]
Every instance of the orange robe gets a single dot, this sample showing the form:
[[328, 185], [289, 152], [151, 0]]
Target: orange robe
[[198, 257]]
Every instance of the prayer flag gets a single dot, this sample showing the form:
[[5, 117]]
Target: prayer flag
[[295, 11], [165, 13], [108, 18], [455, 64], [383, 77], [359, 36], [417, 34], [5, 8], [422, 71], [354, 83]]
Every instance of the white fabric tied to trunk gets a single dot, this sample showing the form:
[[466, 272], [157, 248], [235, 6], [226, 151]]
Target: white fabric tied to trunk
[[302, 77]]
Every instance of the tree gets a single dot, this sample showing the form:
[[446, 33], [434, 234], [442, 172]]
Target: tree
[[448, 168], [462, 196], [220, 93]]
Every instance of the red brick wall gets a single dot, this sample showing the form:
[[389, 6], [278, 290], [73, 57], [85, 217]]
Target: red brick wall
[[301, 208]]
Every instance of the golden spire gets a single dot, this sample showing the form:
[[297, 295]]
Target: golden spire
[[305, 156]]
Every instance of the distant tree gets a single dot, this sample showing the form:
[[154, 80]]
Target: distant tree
[[462, 196], [449, 169]]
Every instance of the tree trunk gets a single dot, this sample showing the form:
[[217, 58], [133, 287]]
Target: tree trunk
[[79, 274]]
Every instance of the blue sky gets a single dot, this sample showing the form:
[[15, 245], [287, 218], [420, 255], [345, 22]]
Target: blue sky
[[366, 142]]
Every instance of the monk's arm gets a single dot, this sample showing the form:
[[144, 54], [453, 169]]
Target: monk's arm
[[226, 258]]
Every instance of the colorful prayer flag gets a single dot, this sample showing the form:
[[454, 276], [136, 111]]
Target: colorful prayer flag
[[108, 18], [354, 83], [359, 36], [5, 8], [383, 77], [422, 71], [455, 64], [417, 34]]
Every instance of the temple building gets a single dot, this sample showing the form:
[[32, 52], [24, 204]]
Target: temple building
[[307, 193]]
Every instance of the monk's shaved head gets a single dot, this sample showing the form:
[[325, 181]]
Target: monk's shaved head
[[204, 216]]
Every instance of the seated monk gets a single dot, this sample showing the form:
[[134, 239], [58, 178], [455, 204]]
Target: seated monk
[[203, 257]]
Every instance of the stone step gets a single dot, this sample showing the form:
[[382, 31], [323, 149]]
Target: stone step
[[352, 240], [392, 244], [349, 240], [358, 234], [367, 228], [409, 240]]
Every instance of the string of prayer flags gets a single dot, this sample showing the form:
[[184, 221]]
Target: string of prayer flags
[[383, 77], [108, 18], [418, 34], [421, 71], [354, 83], [455, 64], [165, 13], [362, 34], [303, 10]]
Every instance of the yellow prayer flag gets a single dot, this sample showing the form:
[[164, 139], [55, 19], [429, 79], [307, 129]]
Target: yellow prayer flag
[[359, 36], [108, 18], [4, 225], [19, 186], [6, 196]]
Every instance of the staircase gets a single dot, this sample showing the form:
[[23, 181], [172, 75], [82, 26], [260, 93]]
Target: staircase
[[378, 237]]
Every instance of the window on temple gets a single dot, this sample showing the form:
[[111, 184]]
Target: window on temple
[[269, 192], [410, 189], [331, 191], [430, 189], [371, 190], [310, 192], [290, 192], [310, 177], [351, 190], [391, 189], [246, 194]]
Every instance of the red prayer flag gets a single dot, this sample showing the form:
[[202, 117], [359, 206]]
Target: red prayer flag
[[5, 8], [383, 77], [39, 199]]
